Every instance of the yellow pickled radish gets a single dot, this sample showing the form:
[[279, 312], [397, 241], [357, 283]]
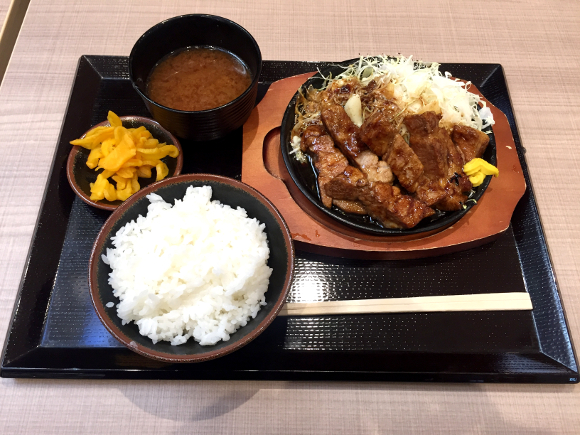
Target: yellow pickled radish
[[125, 154], [476, 169]]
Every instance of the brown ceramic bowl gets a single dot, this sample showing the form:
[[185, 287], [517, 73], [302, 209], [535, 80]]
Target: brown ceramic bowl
[[80, 175], [227, 191]]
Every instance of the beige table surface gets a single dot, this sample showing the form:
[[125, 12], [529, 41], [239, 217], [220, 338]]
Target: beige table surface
[[538, 44]]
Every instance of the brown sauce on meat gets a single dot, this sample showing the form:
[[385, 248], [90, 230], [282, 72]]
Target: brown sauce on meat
[[198, 78]]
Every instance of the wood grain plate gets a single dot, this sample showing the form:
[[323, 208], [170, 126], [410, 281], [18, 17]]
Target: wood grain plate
[[263, 168]]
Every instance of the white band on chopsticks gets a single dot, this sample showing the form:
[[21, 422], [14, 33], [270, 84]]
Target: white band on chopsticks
[[477, 302]]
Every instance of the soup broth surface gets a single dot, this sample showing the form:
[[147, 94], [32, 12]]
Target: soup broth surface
[[198, 78]]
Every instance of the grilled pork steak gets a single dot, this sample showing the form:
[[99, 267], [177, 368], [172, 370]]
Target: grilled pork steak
[[404, 163], [378, 133], [442, 160], [328, 161], [343, 131], [428, 141], [347, 139], [470, 141], [382, 201]]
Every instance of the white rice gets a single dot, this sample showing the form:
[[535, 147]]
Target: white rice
[[195, 269]]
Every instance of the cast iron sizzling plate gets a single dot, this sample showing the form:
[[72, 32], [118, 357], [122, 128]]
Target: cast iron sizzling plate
[[304, 175]]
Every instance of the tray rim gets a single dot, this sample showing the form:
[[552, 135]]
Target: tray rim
[[564, 372]]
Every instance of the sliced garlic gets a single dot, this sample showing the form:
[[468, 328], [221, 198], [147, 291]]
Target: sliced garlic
[[353, 109]]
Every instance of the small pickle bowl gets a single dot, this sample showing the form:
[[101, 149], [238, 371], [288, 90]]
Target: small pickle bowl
[[196, 30], [80, 176], [229, 192]]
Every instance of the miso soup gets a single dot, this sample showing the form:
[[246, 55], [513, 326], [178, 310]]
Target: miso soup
[[198, 78]]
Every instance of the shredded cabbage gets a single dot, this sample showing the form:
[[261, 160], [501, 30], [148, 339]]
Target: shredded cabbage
[[420, 87]]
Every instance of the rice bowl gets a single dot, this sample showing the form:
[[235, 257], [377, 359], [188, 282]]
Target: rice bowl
[[194, 269], [279, 268]]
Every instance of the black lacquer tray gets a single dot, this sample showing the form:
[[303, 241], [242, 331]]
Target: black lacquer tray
[[55, 332]]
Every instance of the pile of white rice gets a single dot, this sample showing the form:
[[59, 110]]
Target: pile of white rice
[[195, 269]]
